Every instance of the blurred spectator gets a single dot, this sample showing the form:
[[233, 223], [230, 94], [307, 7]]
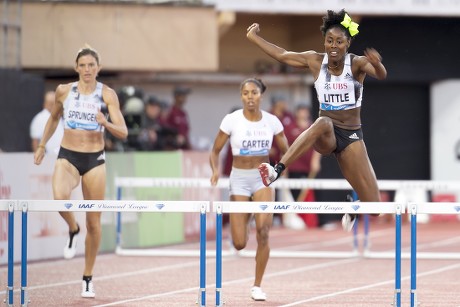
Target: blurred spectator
[[306, 166], [132, 107], [177, 117], [133, 110], [154, 135], [149, 136], [37, 126]]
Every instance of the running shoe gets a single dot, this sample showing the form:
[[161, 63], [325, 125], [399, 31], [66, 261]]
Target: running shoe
[[70, 249], [257, 294], [87, 289], [268, 173], [348, 221]]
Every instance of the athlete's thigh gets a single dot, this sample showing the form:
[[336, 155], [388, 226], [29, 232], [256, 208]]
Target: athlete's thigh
[[93, 183], [65, 179], [264, 195], [357, 169], [323, 130], [239, 221]]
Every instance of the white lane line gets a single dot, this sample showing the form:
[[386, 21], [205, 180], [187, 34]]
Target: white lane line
[[235, 281], [333, 294], [118, 275], [149, 297], [287, 272]]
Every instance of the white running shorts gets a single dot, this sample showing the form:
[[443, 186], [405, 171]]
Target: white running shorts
[[245, 182]]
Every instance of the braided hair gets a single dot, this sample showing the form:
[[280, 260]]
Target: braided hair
[[334, 19]]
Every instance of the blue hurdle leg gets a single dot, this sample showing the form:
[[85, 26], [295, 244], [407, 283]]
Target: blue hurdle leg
[[413, 257], [366, 233], [354, 197], [24, 295], [10, 288], [218, 257], [355, 234]]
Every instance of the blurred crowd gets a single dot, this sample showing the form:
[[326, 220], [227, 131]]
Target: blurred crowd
[[153, 124]]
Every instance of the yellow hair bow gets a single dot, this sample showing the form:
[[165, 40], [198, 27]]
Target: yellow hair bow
[[350, 25]]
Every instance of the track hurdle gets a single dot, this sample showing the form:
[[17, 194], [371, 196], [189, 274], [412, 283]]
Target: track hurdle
[[204, 183], [201, 207], [426, 208], [309, 207]]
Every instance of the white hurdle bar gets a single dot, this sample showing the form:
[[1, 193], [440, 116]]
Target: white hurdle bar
[[221, 207], [426, 208], [201, 207]]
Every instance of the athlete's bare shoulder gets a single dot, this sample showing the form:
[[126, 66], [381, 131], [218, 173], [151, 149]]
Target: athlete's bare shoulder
[[358, 59], [315, 63], [62, 91], [108, 94]]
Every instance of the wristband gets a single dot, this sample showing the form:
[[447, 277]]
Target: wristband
[[279, 168], [41, 145]]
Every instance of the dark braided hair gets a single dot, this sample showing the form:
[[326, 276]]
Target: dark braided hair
[[333, 19], [257, 82]]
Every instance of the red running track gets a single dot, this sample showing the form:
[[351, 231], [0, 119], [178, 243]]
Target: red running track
[[174, 281]]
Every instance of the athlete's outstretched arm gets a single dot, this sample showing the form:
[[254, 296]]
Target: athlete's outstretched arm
[[371, 64], [295, 59]]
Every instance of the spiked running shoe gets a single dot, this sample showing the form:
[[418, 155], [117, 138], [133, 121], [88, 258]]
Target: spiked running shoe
[[348, 221], [70, 249], [257, 294], [87, 289], [268, 173]]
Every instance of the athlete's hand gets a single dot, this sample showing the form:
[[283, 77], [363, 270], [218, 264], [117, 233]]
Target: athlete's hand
[[377, 71], [101, 118], [252, 30], [373, 56], [214, 179], [38, 155]]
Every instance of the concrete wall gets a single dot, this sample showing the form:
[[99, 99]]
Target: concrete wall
[[128, 37]]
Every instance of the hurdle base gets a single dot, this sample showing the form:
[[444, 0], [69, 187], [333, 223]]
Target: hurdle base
[[201, 294], [9, 294], [25, 295], [397, 298], [219, 300]]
